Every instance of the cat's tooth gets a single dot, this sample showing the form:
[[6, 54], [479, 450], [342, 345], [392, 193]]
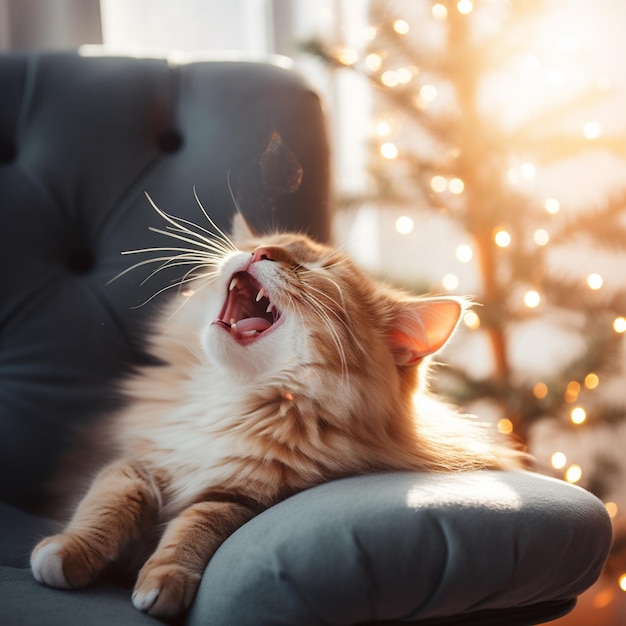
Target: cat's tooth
[[261, 294], [233, 323], [233, 284], [270, 308]]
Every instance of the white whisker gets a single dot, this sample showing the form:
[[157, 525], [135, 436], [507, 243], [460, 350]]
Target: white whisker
[[225, 237]]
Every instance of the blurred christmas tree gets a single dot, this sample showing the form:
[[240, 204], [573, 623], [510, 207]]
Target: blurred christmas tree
[[473, 101]]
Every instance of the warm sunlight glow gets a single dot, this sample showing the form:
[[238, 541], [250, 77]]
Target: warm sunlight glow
[[404, 225], [439, 183], [401, 27], [578, 416], [552, 206], [440, 12], [573, 473], [465, 7], [450, 282], [619, 324], [595, 281], [471, 320], [532, 299], [502, 239], [558, 460], [389, 150], [464, 253]]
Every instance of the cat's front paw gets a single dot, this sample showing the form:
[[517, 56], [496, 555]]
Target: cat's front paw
[[165, 590], [64, 562]]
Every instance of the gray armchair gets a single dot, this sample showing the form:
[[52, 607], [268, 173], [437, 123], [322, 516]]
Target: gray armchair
[[81, 139]]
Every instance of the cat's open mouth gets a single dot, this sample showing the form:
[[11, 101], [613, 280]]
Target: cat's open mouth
[[247, 313]]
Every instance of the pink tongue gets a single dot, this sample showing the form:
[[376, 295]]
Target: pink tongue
[[258, 324]]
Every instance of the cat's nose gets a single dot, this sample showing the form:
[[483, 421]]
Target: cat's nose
[[261, 254]]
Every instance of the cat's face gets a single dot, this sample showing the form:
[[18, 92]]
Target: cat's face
[[284, 303]]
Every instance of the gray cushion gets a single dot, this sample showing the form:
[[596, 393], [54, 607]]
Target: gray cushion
[[411, 547], [403, 546]]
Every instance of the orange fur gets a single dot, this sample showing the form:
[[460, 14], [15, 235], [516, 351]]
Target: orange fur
[[235, 421]]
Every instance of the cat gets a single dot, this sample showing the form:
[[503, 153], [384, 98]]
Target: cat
[[287, 367]]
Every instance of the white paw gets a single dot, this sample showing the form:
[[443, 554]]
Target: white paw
[[47, 566], [144, 601]]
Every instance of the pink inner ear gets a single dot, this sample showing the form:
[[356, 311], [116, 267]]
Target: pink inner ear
[[421, 327]]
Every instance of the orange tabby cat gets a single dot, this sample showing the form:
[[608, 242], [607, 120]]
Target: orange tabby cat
[[286, 368]]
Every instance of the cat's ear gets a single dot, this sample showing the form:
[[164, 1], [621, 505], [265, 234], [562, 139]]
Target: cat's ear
[[240, 231], [422, 326]]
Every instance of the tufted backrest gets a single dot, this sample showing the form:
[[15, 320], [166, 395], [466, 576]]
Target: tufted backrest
[[81, 139]]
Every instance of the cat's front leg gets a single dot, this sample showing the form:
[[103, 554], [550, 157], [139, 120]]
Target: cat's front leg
[[168, 581], [120, 506]]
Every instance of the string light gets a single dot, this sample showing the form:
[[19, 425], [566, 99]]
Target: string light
[[389, 79], [347, 56], [558, 460], [401, 27], [592, 380], [439, 11], [389, 150], [383, 128], [540, 390], [439, 184], [404, 75], [595, 281], [578, 416], [541, 237], [532, 299], [619, 325], [502, 238], [471, 320], [505, 426], [450, 282], [572, 391], [552, 206], [592, 130], [464, 253], [404, 225], [611, 509], [428, 92], [465, 7], [573, 473], [456, 186], [527, 171], [373, 62], [622, 582]]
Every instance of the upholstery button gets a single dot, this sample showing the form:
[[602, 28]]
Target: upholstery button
[[7, 151], [170, 141], [81, 261]]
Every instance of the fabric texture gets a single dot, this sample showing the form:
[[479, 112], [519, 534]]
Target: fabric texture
[[81, 140]]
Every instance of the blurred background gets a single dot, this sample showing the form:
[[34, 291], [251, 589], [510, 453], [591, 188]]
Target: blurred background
[[479, 149]]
